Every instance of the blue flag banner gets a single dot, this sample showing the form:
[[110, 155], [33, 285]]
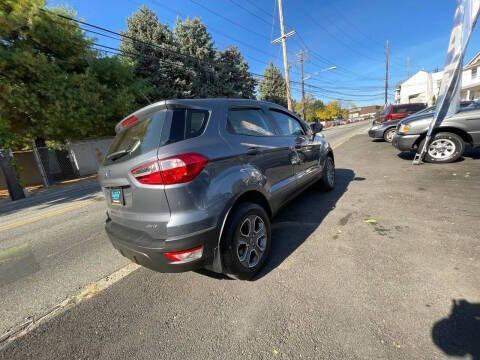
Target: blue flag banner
[[448, 103]]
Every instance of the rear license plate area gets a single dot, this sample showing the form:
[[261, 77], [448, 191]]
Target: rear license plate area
[[116, 196]]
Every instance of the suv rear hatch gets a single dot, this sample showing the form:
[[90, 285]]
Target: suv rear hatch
[[130, 203]]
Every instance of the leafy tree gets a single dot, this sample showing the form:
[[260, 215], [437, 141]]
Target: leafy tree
[[36, 49], [54, 87], [272, 86], [331, 111], [312, 107], [151, 49], [195, 43], [233, 76]]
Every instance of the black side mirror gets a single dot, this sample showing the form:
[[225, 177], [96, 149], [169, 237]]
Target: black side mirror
[[316, 127]]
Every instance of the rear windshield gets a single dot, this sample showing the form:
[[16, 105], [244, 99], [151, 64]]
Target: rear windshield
[[137, 139]]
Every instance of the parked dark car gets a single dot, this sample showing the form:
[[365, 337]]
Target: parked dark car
[[386, 130], [195, 183], [398, 112], [450, 138]]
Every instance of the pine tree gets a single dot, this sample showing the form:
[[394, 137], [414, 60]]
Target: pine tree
[[195, 43], [233, 76], [272, 86], [151, 47]]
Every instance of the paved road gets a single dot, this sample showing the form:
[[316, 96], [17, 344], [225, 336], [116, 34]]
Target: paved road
[[386, 266], [53, 244], [337, 135]]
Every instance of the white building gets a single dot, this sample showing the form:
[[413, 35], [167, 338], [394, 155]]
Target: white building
[[471, 79], [424, 86]]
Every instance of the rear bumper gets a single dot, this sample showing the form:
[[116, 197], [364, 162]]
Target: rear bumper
[[148, 252], [405, 142]]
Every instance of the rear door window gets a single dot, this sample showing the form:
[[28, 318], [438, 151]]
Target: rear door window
[[250, 122], [187, 124], [287, 124], [137, 139]]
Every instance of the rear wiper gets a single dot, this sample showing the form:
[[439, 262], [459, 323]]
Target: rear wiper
[[118, 154]]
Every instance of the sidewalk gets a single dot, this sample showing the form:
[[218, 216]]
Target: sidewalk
[[386, 266], [33, 190], [38, 195]]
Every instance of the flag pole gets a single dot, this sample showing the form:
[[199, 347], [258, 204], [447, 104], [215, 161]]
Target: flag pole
[[448, 103]]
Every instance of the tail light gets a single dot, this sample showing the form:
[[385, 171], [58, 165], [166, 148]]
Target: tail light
[[173, 170], [183, 256], [389, 117]]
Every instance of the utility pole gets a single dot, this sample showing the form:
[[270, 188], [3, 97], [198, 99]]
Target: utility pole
[[283, 39], [301, 58], [387, 55], [407, 65]]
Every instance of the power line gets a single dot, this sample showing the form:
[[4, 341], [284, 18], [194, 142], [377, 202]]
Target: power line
[[357, 30], [200, 61], [228, 19], [250, 12]]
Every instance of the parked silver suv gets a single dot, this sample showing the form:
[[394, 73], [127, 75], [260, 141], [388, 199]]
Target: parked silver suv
[[194, 183], [450, 138]]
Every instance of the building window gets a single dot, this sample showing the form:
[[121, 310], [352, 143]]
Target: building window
[[474, 73]]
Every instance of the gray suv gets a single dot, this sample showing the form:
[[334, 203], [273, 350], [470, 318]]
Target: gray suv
[[194, 183], [450, 138]]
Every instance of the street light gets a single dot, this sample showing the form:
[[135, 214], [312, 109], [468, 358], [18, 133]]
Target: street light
[[334, 67], [303, 85]]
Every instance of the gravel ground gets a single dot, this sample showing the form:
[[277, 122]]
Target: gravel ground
[[385, 266]]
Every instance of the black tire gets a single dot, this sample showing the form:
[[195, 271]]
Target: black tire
[[232, 245], [326, 183], [454, 144], [388, 135]]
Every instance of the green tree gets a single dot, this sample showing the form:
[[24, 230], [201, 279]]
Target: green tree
[[54, 87], [233, 76], [331, 111], [36, 50], [151, 49], [195, 43], [272, 86], [312, 107]]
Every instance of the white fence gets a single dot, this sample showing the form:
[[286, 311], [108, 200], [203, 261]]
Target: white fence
[[87, 155]]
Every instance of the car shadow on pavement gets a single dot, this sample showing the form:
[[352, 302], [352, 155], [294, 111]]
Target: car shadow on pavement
[[459, 334], [472, 153], [301, 217]]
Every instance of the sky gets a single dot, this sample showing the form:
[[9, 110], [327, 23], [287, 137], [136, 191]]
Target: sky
[[348, 34]]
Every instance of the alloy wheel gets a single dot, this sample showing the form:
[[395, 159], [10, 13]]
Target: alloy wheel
[[330, 172], [441, 149], [251, 241], [389, 135]]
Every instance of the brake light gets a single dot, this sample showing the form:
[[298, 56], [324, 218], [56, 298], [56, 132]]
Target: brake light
[[173, 170], [129, 122], [183, 256]]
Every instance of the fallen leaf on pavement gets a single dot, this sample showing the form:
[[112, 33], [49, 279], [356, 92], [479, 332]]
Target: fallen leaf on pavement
[[370, 220]]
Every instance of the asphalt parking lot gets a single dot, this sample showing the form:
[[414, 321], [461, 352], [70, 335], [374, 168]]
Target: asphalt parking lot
[[385, 266]]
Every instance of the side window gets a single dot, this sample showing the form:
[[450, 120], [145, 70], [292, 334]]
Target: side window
[[248, 122], [187, 124], [288, 125]]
